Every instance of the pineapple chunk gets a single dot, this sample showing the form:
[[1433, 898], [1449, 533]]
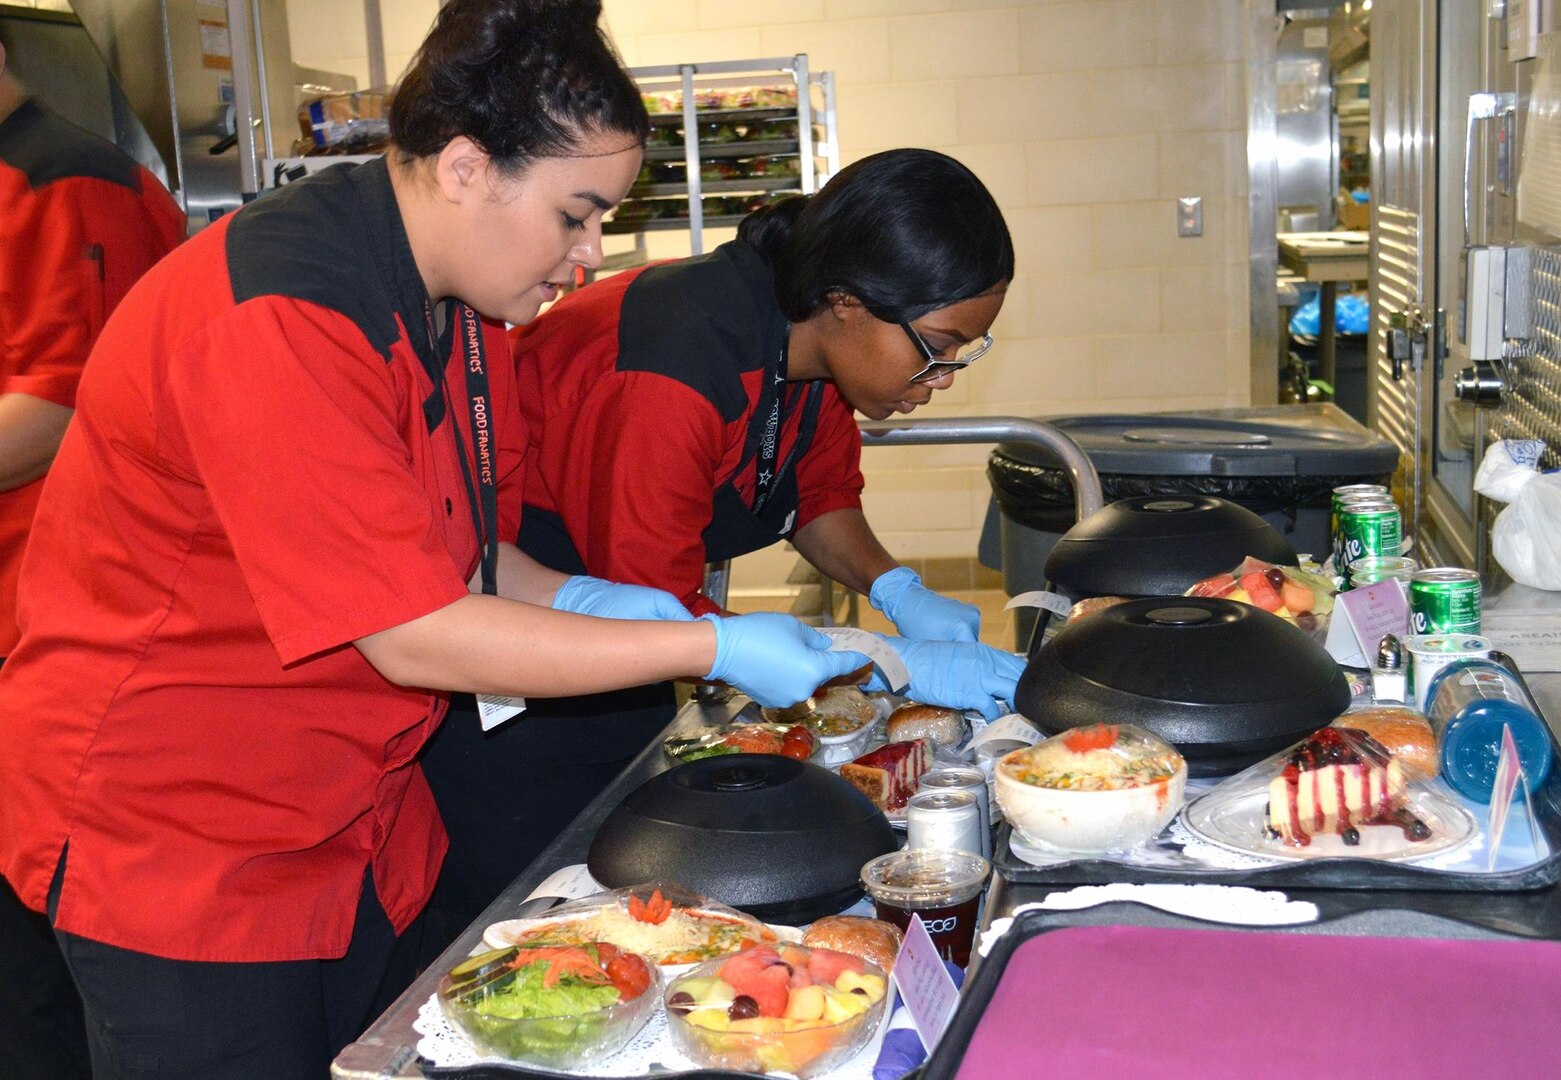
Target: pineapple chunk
[[711, 1019], [843, 1005], [806, 1003], [873, 985]]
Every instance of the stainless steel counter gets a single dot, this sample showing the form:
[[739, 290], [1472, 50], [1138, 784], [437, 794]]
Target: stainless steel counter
[[388, 1047]]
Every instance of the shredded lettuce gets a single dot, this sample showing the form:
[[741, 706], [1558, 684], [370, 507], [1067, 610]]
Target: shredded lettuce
[[524, 997]]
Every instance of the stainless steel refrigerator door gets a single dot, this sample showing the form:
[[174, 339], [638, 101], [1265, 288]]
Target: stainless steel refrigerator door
[[1403, 279]]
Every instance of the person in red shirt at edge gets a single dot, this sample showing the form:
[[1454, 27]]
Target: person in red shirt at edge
[[80, 221], [268, 550], [702, 409]]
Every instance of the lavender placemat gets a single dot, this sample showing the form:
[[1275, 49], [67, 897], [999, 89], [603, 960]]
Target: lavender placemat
[[1146, 1002]]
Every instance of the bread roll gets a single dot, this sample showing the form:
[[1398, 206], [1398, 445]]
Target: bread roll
[[1404, 733], [871, 939], [942, 727]]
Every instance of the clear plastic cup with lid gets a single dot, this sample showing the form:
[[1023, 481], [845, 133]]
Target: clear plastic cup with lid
[[943, 887]]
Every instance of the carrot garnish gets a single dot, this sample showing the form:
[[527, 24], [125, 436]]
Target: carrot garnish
[[653, 911]]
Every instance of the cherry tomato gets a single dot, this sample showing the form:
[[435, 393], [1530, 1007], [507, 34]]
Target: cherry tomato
[[629, 974]]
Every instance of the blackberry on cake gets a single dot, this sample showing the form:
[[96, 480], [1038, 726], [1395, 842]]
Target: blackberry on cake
[[1338, 781]]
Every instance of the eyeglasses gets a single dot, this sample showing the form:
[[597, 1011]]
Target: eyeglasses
[[936, 368]]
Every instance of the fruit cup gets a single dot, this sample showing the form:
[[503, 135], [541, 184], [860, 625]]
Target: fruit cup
[[793, 1010]]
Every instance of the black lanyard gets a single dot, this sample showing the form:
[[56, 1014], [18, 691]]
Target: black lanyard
[[767, 433], [482, 493]]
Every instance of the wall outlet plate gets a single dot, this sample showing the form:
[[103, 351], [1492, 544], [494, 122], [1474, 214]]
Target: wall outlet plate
[[1189, 215]]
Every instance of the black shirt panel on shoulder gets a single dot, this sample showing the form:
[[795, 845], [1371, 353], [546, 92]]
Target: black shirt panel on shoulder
[[310, 241], [46, 147], [336, 239], [704, 321]]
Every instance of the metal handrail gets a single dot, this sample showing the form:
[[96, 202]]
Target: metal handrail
[[1087, 495]]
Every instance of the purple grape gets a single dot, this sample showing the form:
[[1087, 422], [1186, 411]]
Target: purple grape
[[743, 1007]]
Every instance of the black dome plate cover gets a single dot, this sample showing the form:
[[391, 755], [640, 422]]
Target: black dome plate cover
[[1227, 684], [1160, 545], [783, 840]]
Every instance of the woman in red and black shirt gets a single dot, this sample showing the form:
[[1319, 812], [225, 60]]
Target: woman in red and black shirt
[[80, 222], [269, 549], [699, 410]]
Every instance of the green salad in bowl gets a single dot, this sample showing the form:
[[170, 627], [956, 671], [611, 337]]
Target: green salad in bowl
[[560, 1006]]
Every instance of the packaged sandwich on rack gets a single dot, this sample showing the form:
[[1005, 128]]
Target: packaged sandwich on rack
[[670, 101], [1303, 595], [349, 123], [1339, 793]]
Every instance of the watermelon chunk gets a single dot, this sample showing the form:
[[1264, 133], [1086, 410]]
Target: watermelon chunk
[[825, 965], [761, 974], [1262, 594]]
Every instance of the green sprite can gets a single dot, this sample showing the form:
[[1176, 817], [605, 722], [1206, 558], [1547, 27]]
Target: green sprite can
[[1368, 528], [1343, 496], [1375, 568], [1444, 600]]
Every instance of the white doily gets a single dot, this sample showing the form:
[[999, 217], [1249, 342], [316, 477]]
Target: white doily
[[1175, 849], [649, 1052], [1232, 904], [1212, 855]]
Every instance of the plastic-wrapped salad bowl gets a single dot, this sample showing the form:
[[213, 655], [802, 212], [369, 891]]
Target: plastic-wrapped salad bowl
[[562, 1007]]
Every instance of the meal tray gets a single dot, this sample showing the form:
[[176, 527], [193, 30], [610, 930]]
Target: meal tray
[[1342, 915], [1173, 867]]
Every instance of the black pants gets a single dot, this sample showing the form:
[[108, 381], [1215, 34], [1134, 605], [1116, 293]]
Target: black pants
[[42, 1034], [150, 1017], [506, 793]]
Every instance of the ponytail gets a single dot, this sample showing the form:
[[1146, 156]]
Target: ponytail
[[904, 231]]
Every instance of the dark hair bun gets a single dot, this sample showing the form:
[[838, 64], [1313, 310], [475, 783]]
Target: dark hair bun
[[769, 228], [521, 78], [903, 231]]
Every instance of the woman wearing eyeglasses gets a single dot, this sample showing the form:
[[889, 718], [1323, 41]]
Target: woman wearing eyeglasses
[[700, 410]]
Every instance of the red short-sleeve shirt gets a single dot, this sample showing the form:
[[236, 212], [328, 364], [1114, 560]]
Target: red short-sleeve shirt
[[639, 392], [261, 471], [79, 223]]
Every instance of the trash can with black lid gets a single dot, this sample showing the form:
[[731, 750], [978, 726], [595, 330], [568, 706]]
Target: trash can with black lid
[[1281, 462]]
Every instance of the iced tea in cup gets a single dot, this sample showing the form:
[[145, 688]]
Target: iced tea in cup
[[943, 887]]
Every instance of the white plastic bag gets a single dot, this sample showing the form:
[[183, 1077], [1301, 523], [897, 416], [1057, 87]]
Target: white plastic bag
[[1526, 538]]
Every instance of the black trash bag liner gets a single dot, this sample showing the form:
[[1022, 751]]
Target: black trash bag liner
[[1041, 497]]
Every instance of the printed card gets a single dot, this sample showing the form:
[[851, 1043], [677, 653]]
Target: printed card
[[925, 984]]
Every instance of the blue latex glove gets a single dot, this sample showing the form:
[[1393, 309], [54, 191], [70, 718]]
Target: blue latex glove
[[918, 612], [775, 659], [956, 674], [584, 595]]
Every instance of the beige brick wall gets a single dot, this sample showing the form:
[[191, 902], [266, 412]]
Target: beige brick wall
[[1086, 119]]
